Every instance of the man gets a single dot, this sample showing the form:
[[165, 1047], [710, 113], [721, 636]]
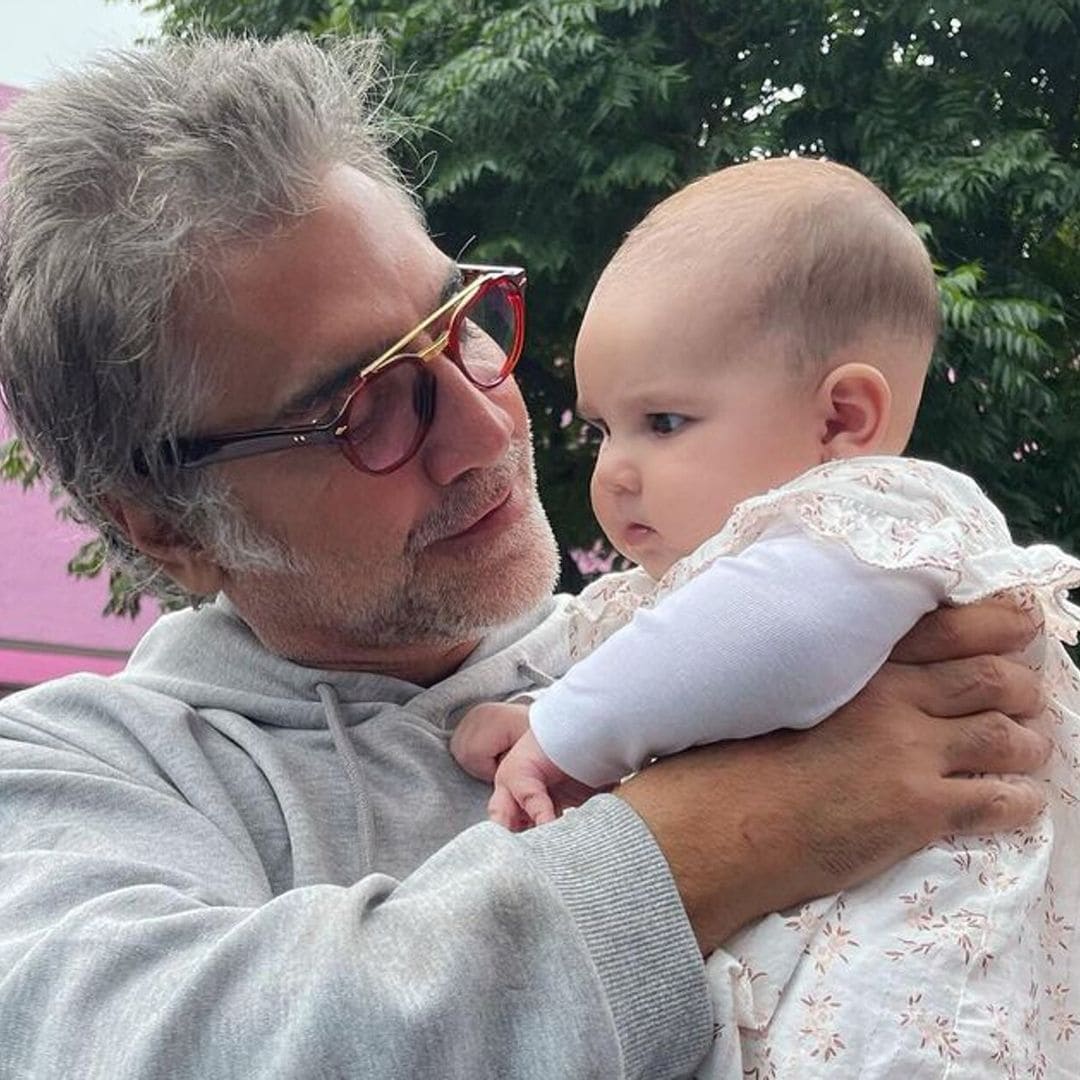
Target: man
[[250, 854]]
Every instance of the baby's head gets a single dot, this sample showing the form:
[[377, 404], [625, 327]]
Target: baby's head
[[763, 320]]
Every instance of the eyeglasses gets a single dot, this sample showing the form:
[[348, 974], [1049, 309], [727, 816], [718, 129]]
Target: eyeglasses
[[389, 406]]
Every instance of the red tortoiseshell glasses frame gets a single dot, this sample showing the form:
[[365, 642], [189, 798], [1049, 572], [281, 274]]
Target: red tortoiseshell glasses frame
[[389, 407]]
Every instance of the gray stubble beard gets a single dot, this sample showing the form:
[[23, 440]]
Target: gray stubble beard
[[419, 601]]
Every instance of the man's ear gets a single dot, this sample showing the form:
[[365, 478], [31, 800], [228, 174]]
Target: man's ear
[[187, 564], [856, 403]]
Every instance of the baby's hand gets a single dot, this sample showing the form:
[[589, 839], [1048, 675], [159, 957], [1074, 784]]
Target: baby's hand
[[524, 782], [485, 733]]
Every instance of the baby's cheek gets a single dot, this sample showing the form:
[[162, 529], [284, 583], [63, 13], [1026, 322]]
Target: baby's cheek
[[701, 526], [602, 509]]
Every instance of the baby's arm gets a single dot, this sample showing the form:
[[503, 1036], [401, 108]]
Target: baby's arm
[[779, 635]]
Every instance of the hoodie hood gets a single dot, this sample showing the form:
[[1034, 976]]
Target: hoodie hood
[[210, 659]]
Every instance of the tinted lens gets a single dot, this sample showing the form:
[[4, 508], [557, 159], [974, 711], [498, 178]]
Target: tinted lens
[[487, 333], [387, 416]]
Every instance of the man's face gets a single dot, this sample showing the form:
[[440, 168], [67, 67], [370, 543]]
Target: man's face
[[453, 541]]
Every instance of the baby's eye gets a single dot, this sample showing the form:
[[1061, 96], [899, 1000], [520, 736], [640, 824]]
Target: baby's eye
[[665, 423], [595, 430]]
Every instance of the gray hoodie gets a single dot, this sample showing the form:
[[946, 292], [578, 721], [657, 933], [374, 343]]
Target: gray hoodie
[[223, 864]]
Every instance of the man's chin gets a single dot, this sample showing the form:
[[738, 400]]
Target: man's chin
[[440, 595], [496, 582]]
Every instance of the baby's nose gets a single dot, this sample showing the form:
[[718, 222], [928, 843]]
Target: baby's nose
[[617, 471]]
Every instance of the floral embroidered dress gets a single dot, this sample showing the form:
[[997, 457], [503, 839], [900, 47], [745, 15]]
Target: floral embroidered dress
[[963, 961]]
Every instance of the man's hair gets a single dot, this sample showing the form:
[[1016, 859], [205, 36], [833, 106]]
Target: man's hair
[[126, 181], [823, 254]]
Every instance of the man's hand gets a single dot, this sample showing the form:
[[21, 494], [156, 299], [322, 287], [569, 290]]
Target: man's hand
[[758, 825]]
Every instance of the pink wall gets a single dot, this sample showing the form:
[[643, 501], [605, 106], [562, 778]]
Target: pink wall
[[51, 623]]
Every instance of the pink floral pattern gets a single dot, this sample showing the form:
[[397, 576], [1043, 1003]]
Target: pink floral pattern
[[896, 513], [964, 960]]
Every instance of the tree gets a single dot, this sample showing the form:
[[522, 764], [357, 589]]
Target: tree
[[545, 129]]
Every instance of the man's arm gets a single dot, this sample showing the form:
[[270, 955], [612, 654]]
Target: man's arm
[[141, 937], [138, 938], [758, 825]]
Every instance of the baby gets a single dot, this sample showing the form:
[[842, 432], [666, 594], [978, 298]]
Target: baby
[[753, 359]]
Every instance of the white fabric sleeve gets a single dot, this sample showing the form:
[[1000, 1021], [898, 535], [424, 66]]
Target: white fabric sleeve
[[779, 635]]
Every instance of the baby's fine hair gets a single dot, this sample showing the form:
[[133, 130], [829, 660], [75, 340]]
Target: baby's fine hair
[[822, 255]]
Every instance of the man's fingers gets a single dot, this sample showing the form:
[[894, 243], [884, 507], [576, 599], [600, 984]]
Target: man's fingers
[[977, 684], [998, 625], [992, 804], [990, 742]]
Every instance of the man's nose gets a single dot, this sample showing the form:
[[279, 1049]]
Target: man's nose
[[472, 428]]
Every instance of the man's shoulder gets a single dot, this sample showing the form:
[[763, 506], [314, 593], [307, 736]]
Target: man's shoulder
[[85, 723], [92, 713], [77, 700]]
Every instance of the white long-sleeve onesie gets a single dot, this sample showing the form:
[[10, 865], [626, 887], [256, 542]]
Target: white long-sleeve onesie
[[780, 635], [964, 960]]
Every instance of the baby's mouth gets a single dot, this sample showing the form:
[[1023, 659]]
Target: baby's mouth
[[637, 531]]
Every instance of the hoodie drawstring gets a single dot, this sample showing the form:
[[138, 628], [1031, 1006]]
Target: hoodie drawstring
[[350, 759], [526, 670]]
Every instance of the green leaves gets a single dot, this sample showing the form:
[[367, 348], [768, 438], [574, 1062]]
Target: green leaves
[[553, 125], [17, 465], [561, 123]]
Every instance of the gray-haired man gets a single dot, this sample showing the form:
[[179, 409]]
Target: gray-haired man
[[226, 332]]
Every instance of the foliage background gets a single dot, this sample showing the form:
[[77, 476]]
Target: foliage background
[[546, 128]]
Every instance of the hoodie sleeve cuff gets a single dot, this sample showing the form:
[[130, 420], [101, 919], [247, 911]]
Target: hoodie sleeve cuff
[[605, 865]]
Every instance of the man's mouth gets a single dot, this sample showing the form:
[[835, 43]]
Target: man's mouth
[[486, 520], [477, 502]]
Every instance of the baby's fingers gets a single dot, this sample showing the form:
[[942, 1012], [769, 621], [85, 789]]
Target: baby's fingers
[[504, 810], [534, 799]]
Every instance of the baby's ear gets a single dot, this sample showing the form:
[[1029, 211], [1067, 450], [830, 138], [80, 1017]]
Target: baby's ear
[[856, 403]]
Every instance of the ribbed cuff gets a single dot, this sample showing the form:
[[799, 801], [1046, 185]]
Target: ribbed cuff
[[607, 868]]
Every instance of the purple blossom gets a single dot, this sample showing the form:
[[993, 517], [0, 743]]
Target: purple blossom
[[594, 560]]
